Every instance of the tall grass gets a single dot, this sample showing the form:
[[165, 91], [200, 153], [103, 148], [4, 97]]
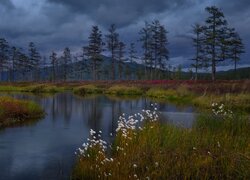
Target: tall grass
[[13, 111], [218, 147], [240, 102]]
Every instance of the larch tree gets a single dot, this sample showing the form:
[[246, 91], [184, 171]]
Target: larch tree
[[113, 46], [14, 62], [94, 50], [145, 39], [155, 28], [237, 48], [66, 62], [198, 43], [4, 56], [34, 61], [163, 53], [53, 63], [121, 53], [214, 34]]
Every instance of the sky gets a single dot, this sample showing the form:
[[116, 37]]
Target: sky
[[56, 24]]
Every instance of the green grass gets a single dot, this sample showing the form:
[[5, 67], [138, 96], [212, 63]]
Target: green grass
[[43, 88], [87, 89], [239, 102], [181, 95], [216, 148], [123, 90], [10, 88], [37, 88], [15, 112]]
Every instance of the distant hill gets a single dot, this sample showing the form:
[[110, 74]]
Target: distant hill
[[134, 71], [241, 73]]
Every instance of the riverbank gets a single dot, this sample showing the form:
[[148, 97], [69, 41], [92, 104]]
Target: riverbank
[[234, 94], [18, 112], [217, 147]]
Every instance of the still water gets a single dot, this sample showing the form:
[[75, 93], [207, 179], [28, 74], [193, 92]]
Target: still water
[[46, 149]]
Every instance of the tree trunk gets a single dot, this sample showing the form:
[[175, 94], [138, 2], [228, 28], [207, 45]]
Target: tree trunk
[[196, 73], [213, 70]]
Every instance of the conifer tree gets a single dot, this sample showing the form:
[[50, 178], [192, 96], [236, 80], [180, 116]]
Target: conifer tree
[[198, 42], [94, 50], [113, 47], [53, 63]]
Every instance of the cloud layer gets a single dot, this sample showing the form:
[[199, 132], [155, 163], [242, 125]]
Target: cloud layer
[[55, 24]]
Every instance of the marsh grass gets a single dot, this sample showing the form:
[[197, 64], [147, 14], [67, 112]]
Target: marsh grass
[[43, 88], [37, 88], [239, 102], [8, 88], [181, 95], [87, 89], [215, 148], [13, 111], [124, 90]]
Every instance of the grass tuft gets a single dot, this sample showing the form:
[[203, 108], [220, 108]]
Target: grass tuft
[[87, 89], [13, 111], [124, 90]]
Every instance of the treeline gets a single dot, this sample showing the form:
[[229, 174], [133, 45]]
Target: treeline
[[214, 43], [19, 65]]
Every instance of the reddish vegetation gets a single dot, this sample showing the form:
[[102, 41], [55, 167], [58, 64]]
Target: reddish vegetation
[[200, 86], [12, 111]]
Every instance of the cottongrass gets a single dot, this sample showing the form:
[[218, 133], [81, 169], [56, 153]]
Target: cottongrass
[[217, 147]]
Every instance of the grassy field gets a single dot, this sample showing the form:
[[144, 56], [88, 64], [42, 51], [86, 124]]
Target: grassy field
[[16, 112], [217, 147]]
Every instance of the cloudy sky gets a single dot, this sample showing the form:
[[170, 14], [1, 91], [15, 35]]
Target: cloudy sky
[[55, 24]]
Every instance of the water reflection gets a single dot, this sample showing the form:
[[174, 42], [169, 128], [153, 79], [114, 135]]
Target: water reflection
[[45, 150]]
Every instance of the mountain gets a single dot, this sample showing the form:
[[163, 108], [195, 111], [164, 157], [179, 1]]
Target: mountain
[[129, 71]]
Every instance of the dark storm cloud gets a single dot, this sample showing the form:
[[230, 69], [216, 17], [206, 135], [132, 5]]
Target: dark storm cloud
[[7, 4], [55, 24], [120, 12]]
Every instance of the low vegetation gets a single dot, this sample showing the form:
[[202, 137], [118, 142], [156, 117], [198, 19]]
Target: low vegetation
[[87, 89], [179, 95], [217, 147], [240, 102], [124, 90], [13, 111], [236, 94], [36, 88]]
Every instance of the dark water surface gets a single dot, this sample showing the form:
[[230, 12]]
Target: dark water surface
[[45, 149]]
